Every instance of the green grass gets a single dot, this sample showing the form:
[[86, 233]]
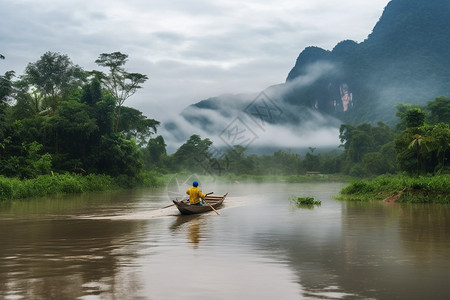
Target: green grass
[[423, 189], [153, 179], [59, 184], [14, 188]]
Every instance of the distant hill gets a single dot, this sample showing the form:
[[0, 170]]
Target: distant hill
[[406, 59]]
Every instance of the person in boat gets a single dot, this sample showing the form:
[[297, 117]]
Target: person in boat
[[195, 194]]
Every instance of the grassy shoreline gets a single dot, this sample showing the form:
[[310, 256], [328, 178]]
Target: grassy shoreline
[[422, 189], [60, 184]]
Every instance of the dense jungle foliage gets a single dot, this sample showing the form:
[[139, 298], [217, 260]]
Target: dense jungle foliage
[[58, 117]]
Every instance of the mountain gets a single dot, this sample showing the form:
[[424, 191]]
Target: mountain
[[404, 59]]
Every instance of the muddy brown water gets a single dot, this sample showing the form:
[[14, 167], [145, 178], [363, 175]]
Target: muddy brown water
[[122, 245]]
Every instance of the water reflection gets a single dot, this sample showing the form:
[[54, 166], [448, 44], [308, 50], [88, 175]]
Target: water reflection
[[192, 226], [424, 232]]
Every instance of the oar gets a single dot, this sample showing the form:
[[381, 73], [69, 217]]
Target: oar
[[168, 206], [211, 205], [213, 208]]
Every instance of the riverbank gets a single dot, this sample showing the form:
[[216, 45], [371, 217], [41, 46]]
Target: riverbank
[[60, 184], [399, 188]]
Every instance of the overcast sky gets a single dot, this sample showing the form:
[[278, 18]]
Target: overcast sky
[[189, 49]]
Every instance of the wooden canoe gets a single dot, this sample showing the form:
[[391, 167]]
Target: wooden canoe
[[186, 208]]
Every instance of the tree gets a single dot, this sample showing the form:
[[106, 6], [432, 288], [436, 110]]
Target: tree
[[115, 155], [193, 155], [287, 163], [135, 125], [20, 154], [311, 162], [380, 162], [414, 117], [28, 162], [155, 152], [119, 82], [6, 86], [357, 141], [72, 126], [6, 89], [53, 76], [382, 134], [346, 132], [23, 107], [441, 136], [104, 110], [362, 140], [402, 109], [423, 149], [439, 110], [235, 160], [420, 144], [92, 92]]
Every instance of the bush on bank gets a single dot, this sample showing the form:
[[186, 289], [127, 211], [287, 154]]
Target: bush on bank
[[421, 189]]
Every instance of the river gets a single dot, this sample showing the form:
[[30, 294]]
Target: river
[[123, 245]]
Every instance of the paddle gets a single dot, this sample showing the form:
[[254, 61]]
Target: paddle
[[174, 203], [211, 205], [213, 208]]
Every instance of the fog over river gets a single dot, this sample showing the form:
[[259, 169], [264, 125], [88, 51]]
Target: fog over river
[[123, 245]]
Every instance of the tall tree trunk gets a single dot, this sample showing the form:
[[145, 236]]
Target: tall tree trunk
[[116, 127]]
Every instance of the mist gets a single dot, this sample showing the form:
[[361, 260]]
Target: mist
[[387, 95], [261, 122]]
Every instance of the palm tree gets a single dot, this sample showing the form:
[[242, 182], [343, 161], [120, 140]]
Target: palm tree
[[421, 144]]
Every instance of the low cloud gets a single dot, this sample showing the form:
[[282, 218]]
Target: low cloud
[[258, 120], [241, 129]]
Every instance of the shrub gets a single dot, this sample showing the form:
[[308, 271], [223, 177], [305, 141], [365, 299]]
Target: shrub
[[305, 201], [423, 189], [5, 189]]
